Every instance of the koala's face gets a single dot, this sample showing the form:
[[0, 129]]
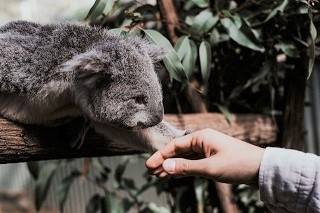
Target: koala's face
[[122, 88]]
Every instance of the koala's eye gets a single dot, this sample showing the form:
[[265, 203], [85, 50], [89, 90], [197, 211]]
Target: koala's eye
[[141, 99]]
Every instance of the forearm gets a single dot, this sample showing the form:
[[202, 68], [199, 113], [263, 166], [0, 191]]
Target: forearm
[[289, 180]]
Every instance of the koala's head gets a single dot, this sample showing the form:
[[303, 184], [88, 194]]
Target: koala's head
[[116, 83]]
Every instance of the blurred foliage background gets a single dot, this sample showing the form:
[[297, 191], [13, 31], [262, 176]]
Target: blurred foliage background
[[233, 54]]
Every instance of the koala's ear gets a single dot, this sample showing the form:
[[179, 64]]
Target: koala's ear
[[90, 69], [155, 52]]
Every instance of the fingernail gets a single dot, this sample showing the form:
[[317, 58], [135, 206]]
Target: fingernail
[[169, 165]]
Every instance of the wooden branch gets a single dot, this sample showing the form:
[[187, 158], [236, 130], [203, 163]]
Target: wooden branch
[[20, 143]]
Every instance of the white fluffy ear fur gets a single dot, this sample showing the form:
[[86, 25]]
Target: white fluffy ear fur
[[156, 53]]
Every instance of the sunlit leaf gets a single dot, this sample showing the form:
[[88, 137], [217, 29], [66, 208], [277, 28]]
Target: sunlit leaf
[[241, 34], [64, 188], [201, 3], [203, 22], [205, 60], [171, 59]]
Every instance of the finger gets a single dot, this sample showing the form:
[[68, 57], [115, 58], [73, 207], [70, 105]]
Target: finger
[[162, 174], [175, 147], [184, 167], [156, 171]]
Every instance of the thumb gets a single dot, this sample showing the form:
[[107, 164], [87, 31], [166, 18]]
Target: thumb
[[185, 167]]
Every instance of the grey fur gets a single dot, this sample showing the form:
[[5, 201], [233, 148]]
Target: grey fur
[[53, 71]]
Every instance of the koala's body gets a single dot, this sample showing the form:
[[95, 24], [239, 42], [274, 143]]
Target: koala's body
[[51, 72]]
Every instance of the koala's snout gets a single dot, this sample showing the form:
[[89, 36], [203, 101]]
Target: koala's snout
[[155, 116]]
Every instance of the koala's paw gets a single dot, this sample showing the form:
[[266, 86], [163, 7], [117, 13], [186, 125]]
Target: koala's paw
[[78, 128]]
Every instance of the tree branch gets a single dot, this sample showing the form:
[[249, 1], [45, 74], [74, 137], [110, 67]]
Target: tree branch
[[19, 143]]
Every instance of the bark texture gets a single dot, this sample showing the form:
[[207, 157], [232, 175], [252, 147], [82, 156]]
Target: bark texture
[[19, 143]]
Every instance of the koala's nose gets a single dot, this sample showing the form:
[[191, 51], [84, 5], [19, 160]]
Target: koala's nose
[[158, 117]]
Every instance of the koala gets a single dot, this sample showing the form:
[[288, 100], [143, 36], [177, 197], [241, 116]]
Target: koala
[[50, 73]]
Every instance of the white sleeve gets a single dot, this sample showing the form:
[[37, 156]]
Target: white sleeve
[[289, 180]]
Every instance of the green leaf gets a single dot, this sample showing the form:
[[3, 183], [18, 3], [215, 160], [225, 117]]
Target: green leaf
[[201, 3], [109, 6], [34, 169], [121, 168], [274, 12], [171, 59], [205, 60], [289, 49], [43, 183], [64, 188], [157, 209], [311, 46], [94, 204], [200, 186], [96, 10], [189, 59], [203, 22], [111, 205], [241, 33], [225, 111], [217, 37], [181, 47]]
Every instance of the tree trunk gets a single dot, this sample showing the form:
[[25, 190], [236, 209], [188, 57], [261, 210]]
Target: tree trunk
[[293, 123]]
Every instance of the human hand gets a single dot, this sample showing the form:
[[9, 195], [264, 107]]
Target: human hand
[[208, 153]]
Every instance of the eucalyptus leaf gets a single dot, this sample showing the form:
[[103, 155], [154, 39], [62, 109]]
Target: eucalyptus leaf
[[200, 186], [311, 46], [109, 6], [289, 49], [225, 111], [201, 3], [203, 22], [43, 182], [205, 60], [242, 35], [111, 205], [181, 47], [96, 10], [189, 60], [64, 188], [217, 37], [34, 169], [94, 204], [121, 168], [274, 12], [171, 59], [157, 209]]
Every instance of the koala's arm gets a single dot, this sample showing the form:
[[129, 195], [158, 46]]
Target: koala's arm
[[149, 140]]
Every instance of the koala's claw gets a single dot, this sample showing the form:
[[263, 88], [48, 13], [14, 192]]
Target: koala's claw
[[80, 128]]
